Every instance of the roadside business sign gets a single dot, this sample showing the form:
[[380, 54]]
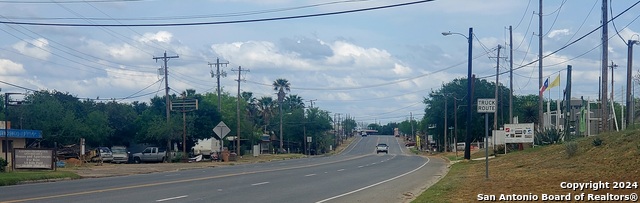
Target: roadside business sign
[[486, 105]]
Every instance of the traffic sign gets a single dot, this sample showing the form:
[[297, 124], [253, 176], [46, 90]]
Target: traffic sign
[[221, 130], [486, 105]]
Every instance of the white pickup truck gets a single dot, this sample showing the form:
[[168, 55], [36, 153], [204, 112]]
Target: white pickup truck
[[381, 147]]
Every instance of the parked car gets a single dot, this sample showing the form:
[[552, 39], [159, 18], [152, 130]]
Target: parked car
[[410, 144], [120, 154], [382, 147], [150, 154], [102, 153]]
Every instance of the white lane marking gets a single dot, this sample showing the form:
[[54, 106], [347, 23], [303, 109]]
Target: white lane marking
[[341, 169], [262, 183], [313, 174], [352, 147], [375, 184], [175, 174], [171, 198], [399, 146], [360, 166]]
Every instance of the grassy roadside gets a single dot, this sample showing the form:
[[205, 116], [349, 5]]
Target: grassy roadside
[[541, 170], [16, 177]]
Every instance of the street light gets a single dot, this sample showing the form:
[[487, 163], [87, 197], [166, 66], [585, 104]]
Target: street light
[[467, 143]]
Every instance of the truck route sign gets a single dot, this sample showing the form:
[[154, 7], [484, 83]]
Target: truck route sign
[[486, 105]]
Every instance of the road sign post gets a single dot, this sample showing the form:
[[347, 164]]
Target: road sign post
[[486, 106], [221, 130]]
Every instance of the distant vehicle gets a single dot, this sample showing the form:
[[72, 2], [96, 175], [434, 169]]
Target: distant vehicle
[[150, 154], [120, 154], [103, 153], [382, 147], [363, 134]]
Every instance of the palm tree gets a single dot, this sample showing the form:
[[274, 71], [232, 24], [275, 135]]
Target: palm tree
[[281, 85], [294, 102], [265, 110]]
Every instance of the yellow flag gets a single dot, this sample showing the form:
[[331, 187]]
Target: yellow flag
[[556, 82]]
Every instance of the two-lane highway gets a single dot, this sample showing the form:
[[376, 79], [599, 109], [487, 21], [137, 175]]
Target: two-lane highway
[[357, 174]]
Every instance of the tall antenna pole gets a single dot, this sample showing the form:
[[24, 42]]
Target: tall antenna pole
[[217, 74], [166, 58]]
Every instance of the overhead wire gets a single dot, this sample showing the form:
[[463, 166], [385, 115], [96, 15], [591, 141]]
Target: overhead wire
[[573, 42], [221, 22]]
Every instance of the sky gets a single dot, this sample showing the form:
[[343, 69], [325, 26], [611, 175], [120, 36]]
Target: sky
[[375, 65]]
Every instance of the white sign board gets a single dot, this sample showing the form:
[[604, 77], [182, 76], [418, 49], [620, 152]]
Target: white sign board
[[519, 133], [309, 139], [221, 130], [486, 105]]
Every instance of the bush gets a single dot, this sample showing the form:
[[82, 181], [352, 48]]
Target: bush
[[597, 142], [548, 136], [3, 165], [571, 148]]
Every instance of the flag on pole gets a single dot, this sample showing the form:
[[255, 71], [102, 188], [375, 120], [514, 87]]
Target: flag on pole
[[544, 86], [555, 83]]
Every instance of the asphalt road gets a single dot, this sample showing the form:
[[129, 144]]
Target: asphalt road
[[358, 174]]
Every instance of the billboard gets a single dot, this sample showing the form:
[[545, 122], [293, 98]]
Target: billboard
[[519, 133]]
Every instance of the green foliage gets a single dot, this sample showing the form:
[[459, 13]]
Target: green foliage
[[3, 165], [177, 157], [548, 136], [571, 148], [596, 141]]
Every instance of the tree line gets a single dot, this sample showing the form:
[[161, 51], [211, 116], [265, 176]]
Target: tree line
[[64, 118]]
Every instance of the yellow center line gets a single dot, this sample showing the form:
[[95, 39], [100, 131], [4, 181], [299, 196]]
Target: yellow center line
[[177, 181]]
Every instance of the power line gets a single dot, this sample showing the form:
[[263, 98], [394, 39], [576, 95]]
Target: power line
[[571, 43], [218, 22]]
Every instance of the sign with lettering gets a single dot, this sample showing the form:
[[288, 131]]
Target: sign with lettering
[[486, 105], [33, 159], [519, 133]]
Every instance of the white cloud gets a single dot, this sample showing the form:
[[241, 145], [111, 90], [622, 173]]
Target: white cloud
[[401, 70], [558, 33], [8, 67], [38, 48], [160, 36]]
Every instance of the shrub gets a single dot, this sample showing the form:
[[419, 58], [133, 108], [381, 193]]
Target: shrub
[[597, 142], [3, 165], [548, 136], [571, 148]]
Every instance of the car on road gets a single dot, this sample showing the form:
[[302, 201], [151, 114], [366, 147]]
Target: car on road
[[382, 147]]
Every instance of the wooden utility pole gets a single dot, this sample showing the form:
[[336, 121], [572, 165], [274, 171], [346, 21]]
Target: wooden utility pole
[[238, 110], [166, 58], [218, 74], [540, 98], [605, 60], [510, 75]]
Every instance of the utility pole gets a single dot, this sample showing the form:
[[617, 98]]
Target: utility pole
[[540, 114], [605, 59], [630, 102], [238, 109], [510, 75], [218, 74], [166, 58], [613, 100], [311, 102], [446, 147], [495, 113]]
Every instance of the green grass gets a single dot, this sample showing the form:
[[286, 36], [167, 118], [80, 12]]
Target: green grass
[[541, 169], [12, 178], [444, 187]]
